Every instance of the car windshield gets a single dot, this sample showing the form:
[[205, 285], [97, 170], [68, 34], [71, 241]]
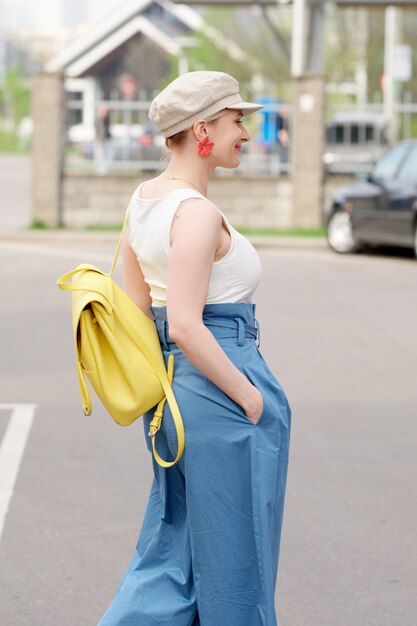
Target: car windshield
[[408, 170], [387, 166]]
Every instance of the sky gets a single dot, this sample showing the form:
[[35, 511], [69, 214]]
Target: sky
[[42, 14]]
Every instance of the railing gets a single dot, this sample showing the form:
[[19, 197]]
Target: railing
[[135, 144], [355, 137]]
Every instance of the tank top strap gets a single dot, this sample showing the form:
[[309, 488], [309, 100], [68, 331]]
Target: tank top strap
[[164, 206], [185, 194]]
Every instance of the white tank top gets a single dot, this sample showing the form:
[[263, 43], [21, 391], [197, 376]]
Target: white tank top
[[233, 278]]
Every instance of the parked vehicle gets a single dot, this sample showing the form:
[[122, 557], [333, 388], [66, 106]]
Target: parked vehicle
[[354, 141], [380, 210]]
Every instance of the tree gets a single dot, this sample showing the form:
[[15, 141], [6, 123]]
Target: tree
[[14, 98], [354, 47], [242, 42]]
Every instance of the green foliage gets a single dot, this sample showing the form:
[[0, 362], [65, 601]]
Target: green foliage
[[9, 142], [375, 61], [14, 106], [354, 41], [409, 28], [339, 61], [14, 96], [263, 47], [258, 232], [289, 232], [38, 225], [357, 35]]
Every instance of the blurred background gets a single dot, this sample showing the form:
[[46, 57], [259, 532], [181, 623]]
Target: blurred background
[[76, 80], [331, 168]]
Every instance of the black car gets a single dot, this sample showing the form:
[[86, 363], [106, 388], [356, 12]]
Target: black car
[[380, 210]]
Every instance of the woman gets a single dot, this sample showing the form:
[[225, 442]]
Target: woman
[[208, 550]]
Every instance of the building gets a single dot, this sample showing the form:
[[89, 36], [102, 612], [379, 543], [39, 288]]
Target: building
[[138, 39]]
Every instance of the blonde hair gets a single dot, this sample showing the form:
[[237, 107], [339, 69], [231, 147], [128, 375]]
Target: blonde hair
[[178, 140]]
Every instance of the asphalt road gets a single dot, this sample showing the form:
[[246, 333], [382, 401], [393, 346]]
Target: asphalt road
[[340, 334], [15, 179]]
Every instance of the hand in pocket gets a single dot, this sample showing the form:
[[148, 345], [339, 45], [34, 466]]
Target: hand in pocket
[[254, 405]]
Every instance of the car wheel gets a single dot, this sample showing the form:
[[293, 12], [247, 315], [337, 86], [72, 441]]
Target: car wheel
[[340, 233]]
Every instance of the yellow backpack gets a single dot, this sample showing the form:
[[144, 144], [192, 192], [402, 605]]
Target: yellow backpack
[[118, 350]]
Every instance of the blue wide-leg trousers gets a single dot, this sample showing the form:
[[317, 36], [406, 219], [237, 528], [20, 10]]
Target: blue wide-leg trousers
[[208, 550]]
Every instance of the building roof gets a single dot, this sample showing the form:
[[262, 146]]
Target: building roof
[[138, 16]]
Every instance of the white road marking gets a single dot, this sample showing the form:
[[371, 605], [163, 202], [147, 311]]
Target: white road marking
[[11, 452]]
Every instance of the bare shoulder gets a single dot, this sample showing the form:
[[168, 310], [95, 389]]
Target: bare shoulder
[[196, 220], [198, 208]]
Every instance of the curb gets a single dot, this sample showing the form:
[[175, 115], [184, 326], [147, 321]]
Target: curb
[[289, 242], [59, 236], [84, 237]]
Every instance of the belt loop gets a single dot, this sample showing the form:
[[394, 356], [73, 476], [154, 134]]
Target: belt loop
[[240, 332], [258, 332], [164, 334]]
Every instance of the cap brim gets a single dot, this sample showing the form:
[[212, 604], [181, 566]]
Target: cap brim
[[246, 107]]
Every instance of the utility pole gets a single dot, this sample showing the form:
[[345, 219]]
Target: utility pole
[[308, 113], [390, 85], [361, 45]]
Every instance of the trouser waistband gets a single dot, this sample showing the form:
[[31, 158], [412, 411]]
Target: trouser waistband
[[225, 321]]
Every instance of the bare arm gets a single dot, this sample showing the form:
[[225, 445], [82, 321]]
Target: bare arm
[[195, 237], [133, 280]]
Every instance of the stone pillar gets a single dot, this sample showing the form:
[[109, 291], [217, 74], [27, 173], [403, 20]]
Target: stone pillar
[[48, 142], [307, 150]]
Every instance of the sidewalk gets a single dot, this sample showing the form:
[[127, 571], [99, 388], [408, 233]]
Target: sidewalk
[[87, 237], [15, 214]]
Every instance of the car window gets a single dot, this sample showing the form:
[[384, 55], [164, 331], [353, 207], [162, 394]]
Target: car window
[[408, 169], [387, 166], [369, 133], [335, 134], [354, 133]]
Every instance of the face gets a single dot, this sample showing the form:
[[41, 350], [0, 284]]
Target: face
[[228, 134]]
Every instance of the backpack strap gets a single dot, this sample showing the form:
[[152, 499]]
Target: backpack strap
[[119, 243], [155, 425], [165, 379]]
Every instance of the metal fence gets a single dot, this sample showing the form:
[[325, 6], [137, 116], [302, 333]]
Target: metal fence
[[354, 138], [134, 143]]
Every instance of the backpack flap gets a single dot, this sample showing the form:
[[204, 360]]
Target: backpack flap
[[113, 338]]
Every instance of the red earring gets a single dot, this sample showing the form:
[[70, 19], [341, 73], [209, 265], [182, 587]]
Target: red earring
[[205, 147]]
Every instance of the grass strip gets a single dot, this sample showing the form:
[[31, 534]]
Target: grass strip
[[256, 232]]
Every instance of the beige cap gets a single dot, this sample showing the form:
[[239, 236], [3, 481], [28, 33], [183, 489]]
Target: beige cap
[[194, 96]]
